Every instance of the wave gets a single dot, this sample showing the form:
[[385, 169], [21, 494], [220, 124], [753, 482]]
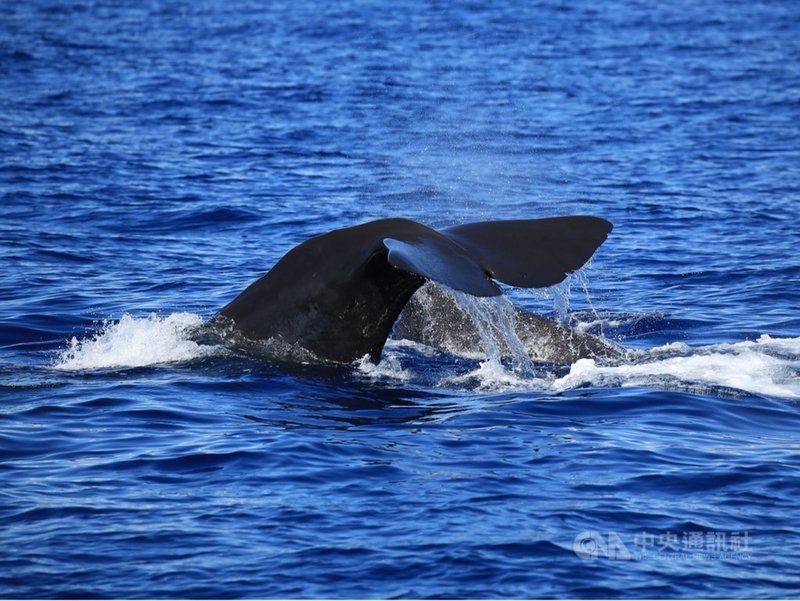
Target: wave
[[767, 366], [137, 342]]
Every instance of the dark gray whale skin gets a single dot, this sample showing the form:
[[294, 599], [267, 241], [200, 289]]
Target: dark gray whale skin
[[433, 317], [335, 297]]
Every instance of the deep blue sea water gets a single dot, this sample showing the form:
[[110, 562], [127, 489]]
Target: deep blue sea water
[[156, 157]]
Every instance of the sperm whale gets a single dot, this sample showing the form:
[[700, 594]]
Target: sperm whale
[[336, 297]]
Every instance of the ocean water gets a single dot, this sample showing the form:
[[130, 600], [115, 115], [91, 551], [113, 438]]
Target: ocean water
[[155, 158]]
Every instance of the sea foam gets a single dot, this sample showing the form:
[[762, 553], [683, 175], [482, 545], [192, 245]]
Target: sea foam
[[136, 342], [767, 366]]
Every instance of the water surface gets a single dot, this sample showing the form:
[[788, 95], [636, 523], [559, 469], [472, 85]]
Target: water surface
[[155, 159]]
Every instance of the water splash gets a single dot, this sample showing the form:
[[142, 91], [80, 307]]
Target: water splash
[[561, 296], [389, 368], [767, 366], [137, 342], [495, 320]]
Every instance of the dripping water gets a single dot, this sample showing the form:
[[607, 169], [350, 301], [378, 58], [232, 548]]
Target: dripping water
[[494, 318]]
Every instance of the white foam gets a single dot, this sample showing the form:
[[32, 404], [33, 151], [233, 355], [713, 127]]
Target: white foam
[[768, 366], [137, 342], [389, 367], [492, 376]]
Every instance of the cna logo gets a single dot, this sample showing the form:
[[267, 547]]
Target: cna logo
[[690, 546], [591, 544]]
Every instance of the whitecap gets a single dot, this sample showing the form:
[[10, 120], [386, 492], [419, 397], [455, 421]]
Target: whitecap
[[768, 366], [137, 342]]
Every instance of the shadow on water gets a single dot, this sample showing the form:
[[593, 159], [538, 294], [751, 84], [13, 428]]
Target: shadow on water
[[329, 397]]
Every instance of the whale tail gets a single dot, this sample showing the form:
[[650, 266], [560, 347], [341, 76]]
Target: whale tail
[[338, 295]]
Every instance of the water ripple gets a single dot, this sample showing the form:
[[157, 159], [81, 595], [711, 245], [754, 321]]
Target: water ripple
[[156, 159]]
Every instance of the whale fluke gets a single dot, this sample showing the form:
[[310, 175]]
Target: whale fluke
[[338, 295], [440, 259], [532, 253]]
